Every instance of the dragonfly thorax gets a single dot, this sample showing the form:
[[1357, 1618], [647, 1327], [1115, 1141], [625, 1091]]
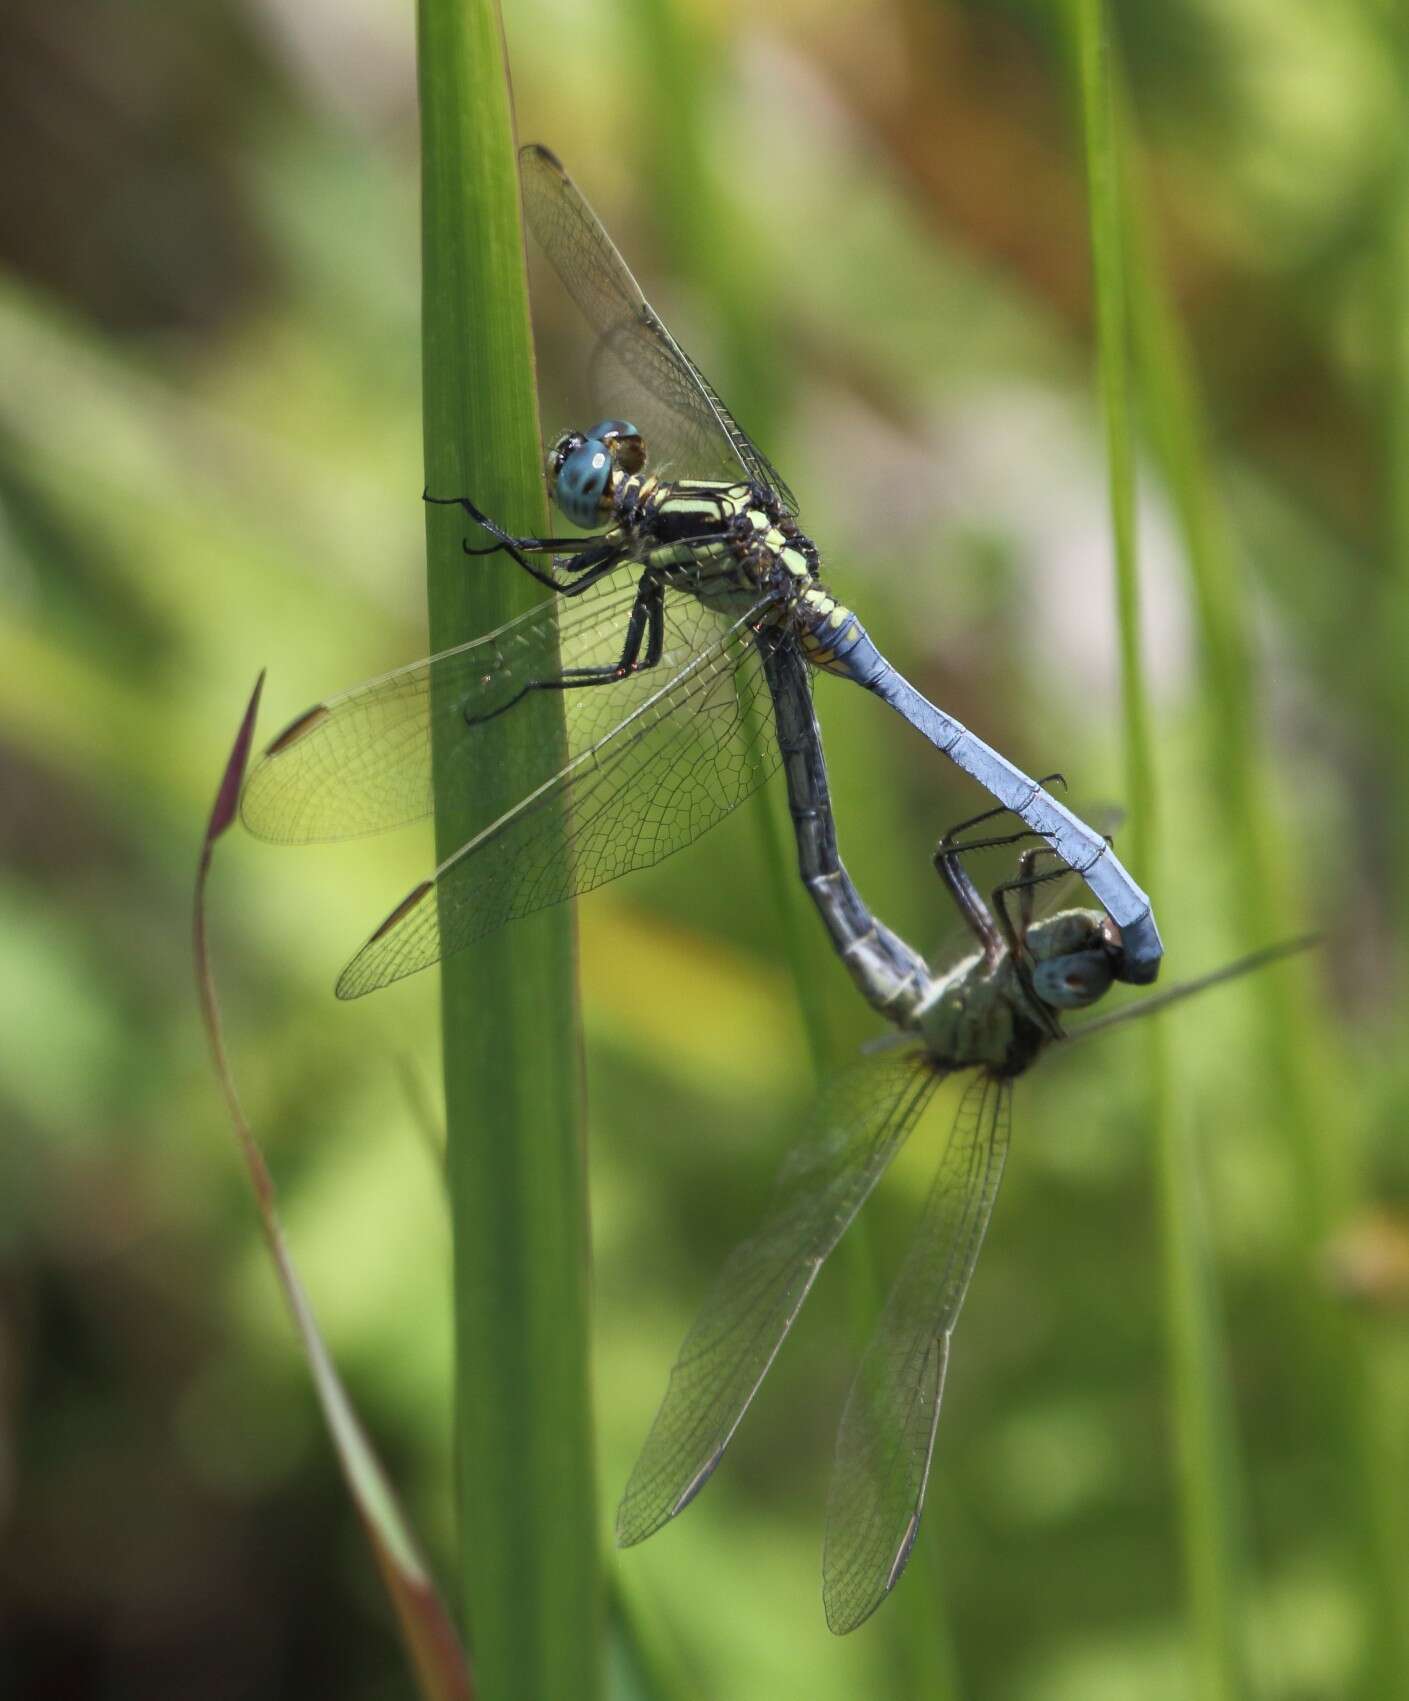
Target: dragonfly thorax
[[976, 1016], [1000, 1014]]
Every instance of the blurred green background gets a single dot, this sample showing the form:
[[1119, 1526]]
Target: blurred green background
[[869, 225]]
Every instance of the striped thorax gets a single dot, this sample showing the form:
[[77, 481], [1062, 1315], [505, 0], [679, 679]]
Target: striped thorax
[[732, 545]]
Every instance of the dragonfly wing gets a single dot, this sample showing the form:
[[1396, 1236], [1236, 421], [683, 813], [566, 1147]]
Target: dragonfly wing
[[886, 1440], [361, 762], [639, 371], [859, 1123], [687, 754]]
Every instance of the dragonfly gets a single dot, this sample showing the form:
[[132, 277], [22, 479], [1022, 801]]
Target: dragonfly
[[660, 635], [993, 1014]]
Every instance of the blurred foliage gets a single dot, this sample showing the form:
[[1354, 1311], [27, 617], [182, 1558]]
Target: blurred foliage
[[210, 461]]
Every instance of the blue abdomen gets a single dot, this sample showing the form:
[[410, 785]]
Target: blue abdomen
[[836, 641]]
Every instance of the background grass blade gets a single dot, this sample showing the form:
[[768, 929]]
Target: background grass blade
[[439, 1662], [515, 1142], [704, 243], [1264, 904], [1200, 1420]]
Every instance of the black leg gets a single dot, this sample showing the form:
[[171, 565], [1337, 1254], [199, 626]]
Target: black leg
[[591, 565], [532, 545], [518, 549], [948, 865], [992, 815], [1015, 937], [647, 618], [1025, 886], [950, 868]]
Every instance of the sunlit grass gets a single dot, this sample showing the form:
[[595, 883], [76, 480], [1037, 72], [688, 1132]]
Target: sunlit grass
[[515, 1150]]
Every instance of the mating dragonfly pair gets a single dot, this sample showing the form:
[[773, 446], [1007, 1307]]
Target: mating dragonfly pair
[[681, 637]]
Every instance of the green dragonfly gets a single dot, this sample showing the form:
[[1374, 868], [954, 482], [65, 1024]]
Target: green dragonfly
[[994, 1013]]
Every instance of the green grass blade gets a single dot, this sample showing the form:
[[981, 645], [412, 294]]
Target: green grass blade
[[1394, 340], [1379, 1418], [515, 1145], [1210, 1534], [710, 246], [1301, 1103], [1261, 905]]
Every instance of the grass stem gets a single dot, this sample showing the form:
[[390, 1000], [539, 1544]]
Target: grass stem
[[515, 1144], [1202, 1430]]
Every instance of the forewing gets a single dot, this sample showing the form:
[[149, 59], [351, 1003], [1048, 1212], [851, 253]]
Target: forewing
[[361, 762], [887, 1431], [857, 1126], [639, 372], [685, 756]]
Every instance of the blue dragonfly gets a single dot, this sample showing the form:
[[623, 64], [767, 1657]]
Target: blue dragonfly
[[664, 626]]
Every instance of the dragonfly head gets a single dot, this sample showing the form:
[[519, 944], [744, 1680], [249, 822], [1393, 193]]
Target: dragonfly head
[[1074, 957], [582, 468]]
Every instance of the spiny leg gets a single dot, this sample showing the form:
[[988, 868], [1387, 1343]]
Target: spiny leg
[[1025, 886], [948, 841], [506, 539], [586, 553], [949, 866], [1015, 938], [647, 618], [948, 862]]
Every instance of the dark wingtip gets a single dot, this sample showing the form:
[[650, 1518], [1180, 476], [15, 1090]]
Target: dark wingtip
[[407, 904], [227, 796], [353, 981], [296, 729], [539, 151]]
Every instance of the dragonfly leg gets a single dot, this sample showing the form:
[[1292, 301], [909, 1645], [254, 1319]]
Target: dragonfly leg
[[647, 622], [1025, 887], [950, 868], [1016, 937], [947, 842], [585, 552]]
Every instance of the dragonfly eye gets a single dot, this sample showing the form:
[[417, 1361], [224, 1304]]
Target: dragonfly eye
[[567, 444], [1073, 981], [624, 441], [580, 474]]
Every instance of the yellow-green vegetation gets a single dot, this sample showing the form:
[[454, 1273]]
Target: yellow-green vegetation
[[1156, 1477]]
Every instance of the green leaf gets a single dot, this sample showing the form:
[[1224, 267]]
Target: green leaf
[[1208, 1496], [515, 1142]]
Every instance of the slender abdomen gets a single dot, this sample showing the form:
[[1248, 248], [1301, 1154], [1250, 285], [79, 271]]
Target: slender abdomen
[[891, 976], [834, 639]]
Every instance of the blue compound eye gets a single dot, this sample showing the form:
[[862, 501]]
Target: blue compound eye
[[580, 469], [624, 442], [1072, 982]]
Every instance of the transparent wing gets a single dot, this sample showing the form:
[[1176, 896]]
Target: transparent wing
[[887, 1431], [361, 762], [639, 371], [684, 758], [858, 1125]]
